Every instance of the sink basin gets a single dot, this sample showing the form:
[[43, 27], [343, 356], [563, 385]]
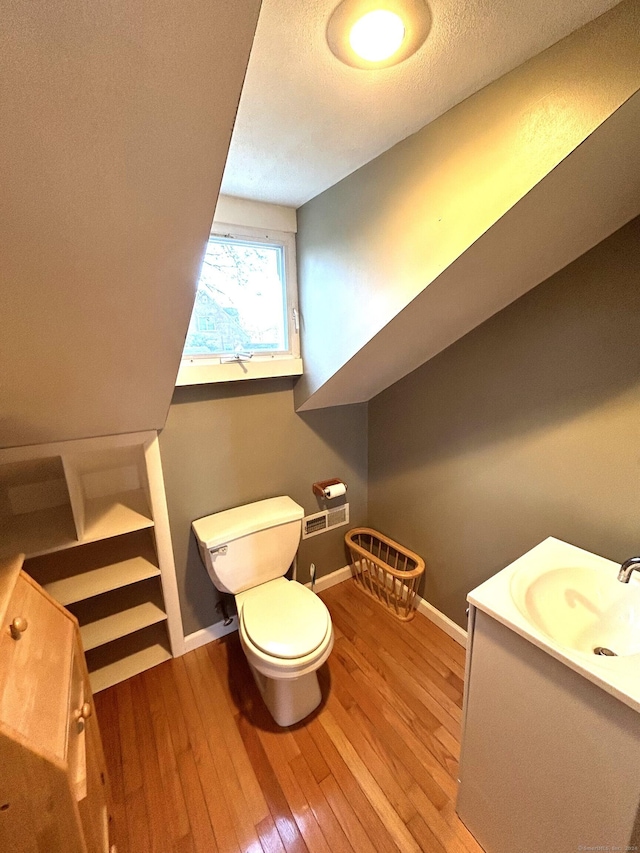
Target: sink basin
[[569, 602], [582, 608]]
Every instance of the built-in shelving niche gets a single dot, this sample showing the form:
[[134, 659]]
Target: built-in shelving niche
[[96, 568], [83, 517], [108, 617], [127, 656], [35, 507]]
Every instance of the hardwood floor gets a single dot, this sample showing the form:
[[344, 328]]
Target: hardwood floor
[[197, 765]]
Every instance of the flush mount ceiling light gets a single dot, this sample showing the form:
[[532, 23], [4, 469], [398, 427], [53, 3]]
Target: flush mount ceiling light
[[374, 34], [377, 35]]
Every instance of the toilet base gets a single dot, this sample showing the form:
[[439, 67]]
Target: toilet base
[[288, 700]]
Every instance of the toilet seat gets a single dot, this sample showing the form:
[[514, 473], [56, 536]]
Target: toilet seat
[[269, 664], [285, 620]]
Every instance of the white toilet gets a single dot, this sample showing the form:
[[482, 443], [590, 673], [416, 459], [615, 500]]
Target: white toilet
[[285, 629]]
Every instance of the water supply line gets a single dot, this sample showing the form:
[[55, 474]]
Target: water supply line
[[222, 607]]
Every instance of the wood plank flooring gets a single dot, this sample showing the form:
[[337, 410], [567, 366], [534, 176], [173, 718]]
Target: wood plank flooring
[[197, 765]]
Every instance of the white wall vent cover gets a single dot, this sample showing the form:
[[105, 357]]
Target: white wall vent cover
[[320, 522]]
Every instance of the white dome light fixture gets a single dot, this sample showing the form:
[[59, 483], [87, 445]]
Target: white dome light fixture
[[375, 34]]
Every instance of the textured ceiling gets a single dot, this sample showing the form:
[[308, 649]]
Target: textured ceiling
[[306, 120]]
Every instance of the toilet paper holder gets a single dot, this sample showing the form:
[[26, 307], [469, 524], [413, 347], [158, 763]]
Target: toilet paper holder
[[323, 488]]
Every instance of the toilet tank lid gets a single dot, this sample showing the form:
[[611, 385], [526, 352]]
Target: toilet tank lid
[[222, 527]]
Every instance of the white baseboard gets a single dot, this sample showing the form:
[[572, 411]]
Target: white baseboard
[[207, 635], [447, 625], [327, 581]]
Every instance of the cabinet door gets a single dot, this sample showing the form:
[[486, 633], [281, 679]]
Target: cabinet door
[[36, 652], [549, 761], [37, 809]]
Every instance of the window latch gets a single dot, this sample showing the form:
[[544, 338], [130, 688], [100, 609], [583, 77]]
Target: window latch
[[237, 357]]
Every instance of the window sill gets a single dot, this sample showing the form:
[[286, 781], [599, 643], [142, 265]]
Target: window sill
[[200, 373]]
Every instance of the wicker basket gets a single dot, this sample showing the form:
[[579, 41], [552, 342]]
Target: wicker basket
[[385, 570]]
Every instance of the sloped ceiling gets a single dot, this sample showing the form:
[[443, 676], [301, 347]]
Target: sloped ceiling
[[116, 121], [408, 254], [306, 120]]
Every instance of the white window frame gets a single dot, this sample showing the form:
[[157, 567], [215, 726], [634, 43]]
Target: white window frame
[[200, 369]]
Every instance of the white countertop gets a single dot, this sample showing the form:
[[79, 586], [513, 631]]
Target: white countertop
[[498, 597]]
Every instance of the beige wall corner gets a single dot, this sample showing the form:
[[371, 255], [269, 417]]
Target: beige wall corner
[[455, 222], [110, 167]]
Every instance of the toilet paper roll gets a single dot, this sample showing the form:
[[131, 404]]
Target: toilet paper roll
[[335, 491]]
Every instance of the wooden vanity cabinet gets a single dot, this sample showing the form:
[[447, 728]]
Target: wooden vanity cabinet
[[53, 781]]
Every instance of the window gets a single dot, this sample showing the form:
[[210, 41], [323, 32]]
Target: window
[[245, 316]]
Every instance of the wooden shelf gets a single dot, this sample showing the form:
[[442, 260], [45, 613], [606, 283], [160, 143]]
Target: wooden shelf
[[127, 667], [35, 533], [116, 514], [95, 582], [128, 656], [117, 625]]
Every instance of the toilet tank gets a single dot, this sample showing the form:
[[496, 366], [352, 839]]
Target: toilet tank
[[251, 544]]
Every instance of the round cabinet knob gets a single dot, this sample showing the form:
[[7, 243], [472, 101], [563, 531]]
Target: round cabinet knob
[[84, 712], [18, 627]]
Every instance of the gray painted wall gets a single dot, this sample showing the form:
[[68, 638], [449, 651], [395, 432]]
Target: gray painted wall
[[529, 426], [226, 445]]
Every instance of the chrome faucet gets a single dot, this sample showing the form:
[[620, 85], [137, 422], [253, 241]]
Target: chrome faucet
[[630, 565]]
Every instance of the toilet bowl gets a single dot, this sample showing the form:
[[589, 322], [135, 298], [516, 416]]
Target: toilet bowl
[[285, 629], [286, 635]]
